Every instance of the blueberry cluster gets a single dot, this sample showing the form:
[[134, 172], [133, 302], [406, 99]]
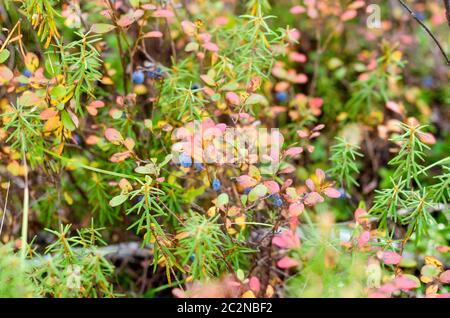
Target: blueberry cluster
[[139, 76], [277, 200]]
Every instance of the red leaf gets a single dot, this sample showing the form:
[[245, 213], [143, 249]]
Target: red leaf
[[297, 10], [404, 282], [295, 209], [332, 193], [287, 262], [48, 113], [113, 135], [391, 258], [232, 98], [210, 46], [254, 284], [427, 138], [361, 216], [246, 181], [313, 198], [294, 151], [272, 186], [396, 108], [364, 238], [348, 15], [153, 34], [162, 13], [120, 156], [310, 184], [445, 277], [286, 239]]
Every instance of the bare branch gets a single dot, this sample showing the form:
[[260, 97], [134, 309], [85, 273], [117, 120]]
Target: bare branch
[[446, 2]]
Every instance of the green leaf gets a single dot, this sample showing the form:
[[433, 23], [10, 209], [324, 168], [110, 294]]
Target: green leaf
[[191, 47], [102, 28], [230, 86], [244, 199], [118, 200], [4, 55], [240, 274], [166, 160], [134, 3], [67, 121], [58, 92], [222, 200], [149, 168], [256, 99], [430, 271], [257, 192]]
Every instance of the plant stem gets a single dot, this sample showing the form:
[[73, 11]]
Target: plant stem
[[26, 199], [437, 163], [81, 165], [4, 208]]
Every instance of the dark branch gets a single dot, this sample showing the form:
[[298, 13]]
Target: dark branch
[[447, 10], [447, 60]]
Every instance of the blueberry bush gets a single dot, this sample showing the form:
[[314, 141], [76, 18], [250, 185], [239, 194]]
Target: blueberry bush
[[201, 148]]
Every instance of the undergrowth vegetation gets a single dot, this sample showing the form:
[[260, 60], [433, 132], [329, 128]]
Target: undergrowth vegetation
[[224, 149]]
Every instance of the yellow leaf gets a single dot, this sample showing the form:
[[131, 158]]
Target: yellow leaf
[[269, 291], [129, 143], [120, 156], [52, 124], [248, 294], [15, 169], [430, 260], [211, 211], [426, 279], [240, 220], [181, 235], [31, 61], [68, 198], [432, 289], [107, 81]]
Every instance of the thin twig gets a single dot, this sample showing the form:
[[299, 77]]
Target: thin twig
[[26, 199], [4, 208], [447, 60]]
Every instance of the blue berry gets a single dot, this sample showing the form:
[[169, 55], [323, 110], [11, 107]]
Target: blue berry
[[277, 200], [195, 86], [138, 77], [342, 192], [282, 96], [27, 73], [139, 198], [216, 184], [198, 165], [192, 257], [157, 73], [185, 160], [427, 81], [247, 190]]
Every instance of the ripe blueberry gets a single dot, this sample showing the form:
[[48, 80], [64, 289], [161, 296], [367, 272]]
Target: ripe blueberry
[[282, 96], [216, 184], [138, 77]]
